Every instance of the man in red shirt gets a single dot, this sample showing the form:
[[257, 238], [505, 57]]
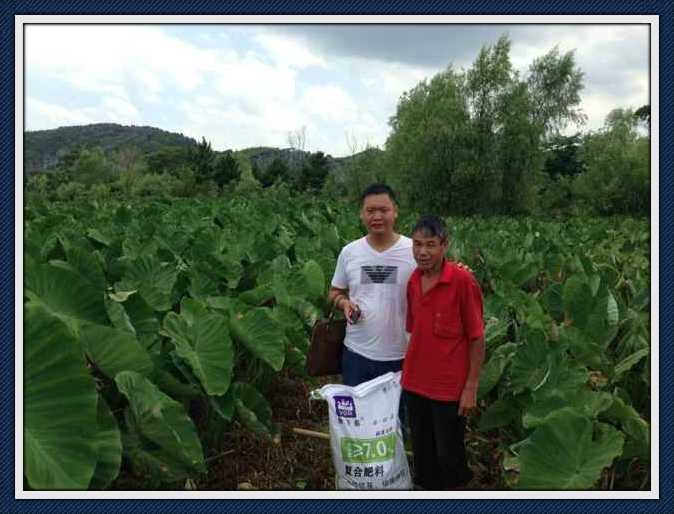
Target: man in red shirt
[[444, 358]]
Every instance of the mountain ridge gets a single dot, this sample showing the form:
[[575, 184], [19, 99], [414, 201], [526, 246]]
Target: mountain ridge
[[44, 148]]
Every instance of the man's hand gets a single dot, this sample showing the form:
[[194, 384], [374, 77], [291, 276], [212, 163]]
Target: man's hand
[[468, 401], [347, 307], [464, 266]]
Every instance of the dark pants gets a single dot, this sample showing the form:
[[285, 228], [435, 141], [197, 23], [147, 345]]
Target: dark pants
[[437, 442], [357, 369]]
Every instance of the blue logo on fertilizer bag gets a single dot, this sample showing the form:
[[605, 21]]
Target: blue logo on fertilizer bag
[[345, 407]]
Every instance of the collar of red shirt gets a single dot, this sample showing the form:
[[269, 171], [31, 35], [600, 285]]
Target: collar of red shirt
[[445, 274]]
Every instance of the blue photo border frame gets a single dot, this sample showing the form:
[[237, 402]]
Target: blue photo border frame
[[9, 8]]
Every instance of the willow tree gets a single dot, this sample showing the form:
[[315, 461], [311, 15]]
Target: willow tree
[[471, 141]]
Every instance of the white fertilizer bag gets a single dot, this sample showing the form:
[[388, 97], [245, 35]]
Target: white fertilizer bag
[[365, 434]]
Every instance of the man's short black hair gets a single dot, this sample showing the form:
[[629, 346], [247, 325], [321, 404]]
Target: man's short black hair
[[378, 189], [431, 225]]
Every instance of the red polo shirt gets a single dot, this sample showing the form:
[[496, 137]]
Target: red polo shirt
[[443, 322]]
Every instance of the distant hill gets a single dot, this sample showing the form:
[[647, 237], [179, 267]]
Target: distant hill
[[43, 148], [264, 156]]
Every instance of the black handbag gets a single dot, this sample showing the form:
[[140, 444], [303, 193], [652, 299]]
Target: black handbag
[[327, 343]]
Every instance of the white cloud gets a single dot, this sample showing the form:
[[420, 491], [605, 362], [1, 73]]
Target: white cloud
[[249, 86], [250, 78], [42, 115], [118, 107], [288, 52], [331, 103], [112, 58]]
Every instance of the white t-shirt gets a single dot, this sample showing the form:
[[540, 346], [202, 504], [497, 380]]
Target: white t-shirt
[[377, 282]]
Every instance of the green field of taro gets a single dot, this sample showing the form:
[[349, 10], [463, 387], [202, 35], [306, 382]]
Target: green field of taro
[[136, 312]]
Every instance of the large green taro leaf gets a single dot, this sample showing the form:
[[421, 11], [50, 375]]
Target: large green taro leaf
[[153, 279], [577, 300], [118, 316], [584, 349], [64, 294], [162, 420], [60, 429], [112, 350], [258, 296], [202, 341], [315, 279], [130, 312], [202, 284], [604, 318], [148, 459], [628, 362], [109, 447], [254, 411], [583, 402], [531, 366], [87, 264], [500, 413], [631, 421], [493, 369], [260, 333], [562, 454]]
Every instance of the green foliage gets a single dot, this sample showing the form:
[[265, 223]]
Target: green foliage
[[71, 191], [364, 169], [152, 185], [617, 180], [555, 84], [168, 160], [37, 186], [313, 176], [202, 159], [248, 186], [477, 134], [93, 167], [49, 149], [644, 114], [226, 169], [276, 171], [60, 428]]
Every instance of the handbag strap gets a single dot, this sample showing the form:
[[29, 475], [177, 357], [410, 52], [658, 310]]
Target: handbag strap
[[331, 313]]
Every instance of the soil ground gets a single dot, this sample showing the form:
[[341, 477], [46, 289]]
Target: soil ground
[[301, 462], [298, 462]]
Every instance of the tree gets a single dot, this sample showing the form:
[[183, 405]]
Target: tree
[[248, 185], [617, 180], [225, 169], [644, 115], [68, 159], [168, 160], [127, 157], [562, 164], [93, 167], [364, 168], [297, 138], [313, 175], [555, 83], [276, 171], [37, 185], [202, 158], [470, 142], [562, 155]]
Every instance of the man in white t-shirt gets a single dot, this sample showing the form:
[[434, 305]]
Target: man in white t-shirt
[[371, 276]]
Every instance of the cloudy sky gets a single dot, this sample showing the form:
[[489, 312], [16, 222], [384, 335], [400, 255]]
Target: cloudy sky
[[250, 85]]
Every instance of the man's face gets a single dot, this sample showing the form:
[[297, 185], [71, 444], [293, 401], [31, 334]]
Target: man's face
[[428, 251], [378, 214]]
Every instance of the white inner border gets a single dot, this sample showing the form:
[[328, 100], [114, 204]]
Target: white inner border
[[653, 20]]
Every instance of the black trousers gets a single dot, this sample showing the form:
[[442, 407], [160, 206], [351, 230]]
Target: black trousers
[[437, 442]]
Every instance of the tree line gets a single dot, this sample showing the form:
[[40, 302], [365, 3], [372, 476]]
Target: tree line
[[486, 140]]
